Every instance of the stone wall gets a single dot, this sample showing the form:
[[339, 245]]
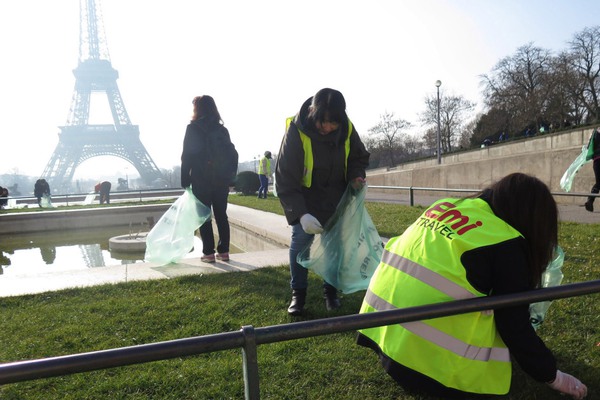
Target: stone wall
[[546, 157]]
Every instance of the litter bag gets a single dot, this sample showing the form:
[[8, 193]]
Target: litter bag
[[567, 179], [89, 199], [552, 276], [348, 251], [46, 202], [173, 235]]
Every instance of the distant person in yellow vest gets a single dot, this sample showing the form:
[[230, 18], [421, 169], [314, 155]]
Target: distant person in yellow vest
[[496, 242], [321, 153], [264, 171]]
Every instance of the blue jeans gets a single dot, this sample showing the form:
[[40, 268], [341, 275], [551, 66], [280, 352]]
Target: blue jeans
[[300, 240], [299, 274], [264, 186]]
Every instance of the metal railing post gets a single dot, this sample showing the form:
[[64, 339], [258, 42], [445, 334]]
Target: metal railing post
[[411, 196], [250, 358]]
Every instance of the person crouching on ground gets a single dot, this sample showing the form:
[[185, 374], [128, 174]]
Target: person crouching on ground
[[320, 154], [494, 243]]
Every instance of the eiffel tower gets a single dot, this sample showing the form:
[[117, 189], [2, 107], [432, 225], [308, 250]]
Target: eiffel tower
[[79, 140]]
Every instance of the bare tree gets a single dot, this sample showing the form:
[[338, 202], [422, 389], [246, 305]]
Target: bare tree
[[466, 133], [585, 59], [172, 176], [386, 135], [453, 113], [489, 126], [520, 86], [565, 106]]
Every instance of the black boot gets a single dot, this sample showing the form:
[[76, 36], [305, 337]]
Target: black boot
[[330, 295], [589, 205], [298, 300]]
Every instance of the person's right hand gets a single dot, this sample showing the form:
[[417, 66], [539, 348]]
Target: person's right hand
[[568, 384], [310, 224]]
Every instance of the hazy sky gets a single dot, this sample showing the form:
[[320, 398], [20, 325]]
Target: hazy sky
[[260, 60]]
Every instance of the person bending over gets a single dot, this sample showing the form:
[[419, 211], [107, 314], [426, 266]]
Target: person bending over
[[494, 243]]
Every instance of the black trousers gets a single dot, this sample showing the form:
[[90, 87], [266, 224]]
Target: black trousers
[[215, 197], [596, 187]]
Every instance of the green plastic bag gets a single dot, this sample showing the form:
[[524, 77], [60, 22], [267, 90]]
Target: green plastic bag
[[567, 179], [348, 251], [552, 276], [173, 235], [586, 155]]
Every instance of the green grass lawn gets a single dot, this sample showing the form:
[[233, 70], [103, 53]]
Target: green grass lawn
[[324, 367]]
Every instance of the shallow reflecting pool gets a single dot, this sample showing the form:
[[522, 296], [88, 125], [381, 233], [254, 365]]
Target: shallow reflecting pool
[[68, 250]]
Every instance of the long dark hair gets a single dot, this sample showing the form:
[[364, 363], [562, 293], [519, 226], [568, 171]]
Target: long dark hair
[[205, 107], [328, 104], [526, 204]]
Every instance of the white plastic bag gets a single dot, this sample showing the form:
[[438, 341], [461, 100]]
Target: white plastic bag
[[347, 253], [552, 276], [46, 202], [173, 235], [89, 199]]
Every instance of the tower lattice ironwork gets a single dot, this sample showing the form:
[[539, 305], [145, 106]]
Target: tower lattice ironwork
[[78, 139]]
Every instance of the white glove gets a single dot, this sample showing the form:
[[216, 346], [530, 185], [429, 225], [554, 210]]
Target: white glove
[[310, 224], [568, 384]]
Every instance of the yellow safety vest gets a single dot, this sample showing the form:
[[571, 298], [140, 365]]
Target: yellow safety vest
[[266, 169], [422, 266], [308, 154]]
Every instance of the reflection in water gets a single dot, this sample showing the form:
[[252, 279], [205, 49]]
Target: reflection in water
[[92, 255], [71, 249], [4, 259], [48, 254]]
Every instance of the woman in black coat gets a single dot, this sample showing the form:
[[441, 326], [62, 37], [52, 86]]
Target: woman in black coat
[[209, 164]]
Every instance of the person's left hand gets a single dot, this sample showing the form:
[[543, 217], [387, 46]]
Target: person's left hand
[[358, 183]]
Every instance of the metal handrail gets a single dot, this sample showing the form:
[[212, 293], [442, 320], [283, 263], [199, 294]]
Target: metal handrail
[[248, 338], [126, 194], [412, 189], [175, 192]]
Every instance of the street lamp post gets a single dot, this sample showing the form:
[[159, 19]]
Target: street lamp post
[[126, 179], [438, 83]]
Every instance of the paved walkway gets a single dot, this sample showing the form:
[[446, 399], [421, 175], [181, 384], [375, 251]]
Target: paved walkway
[[270, 226]]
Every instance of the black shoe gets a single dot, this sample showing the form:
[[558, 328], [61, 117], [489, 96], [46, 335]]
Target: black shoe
[[589, 206], [297, 304], [331, 300]]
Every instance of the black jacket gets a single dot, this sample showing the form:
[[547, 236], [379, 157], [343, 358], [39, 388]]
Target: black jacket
[[595, 139], [329, 179], [208, 157], [41, 188]]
